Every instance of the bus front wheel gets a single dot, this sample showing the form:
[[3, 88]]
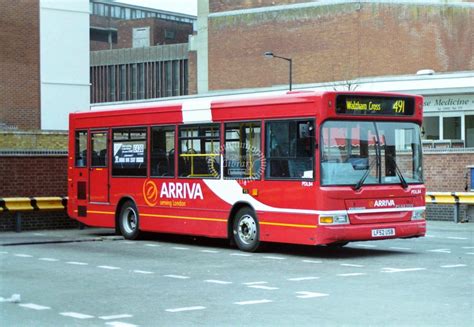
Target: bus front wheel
[[246, 230], [128, 221]]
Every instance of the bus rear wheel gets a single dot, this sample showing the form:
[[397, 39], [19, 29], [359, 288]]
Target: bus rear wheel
[[246, 230], [128, 221]]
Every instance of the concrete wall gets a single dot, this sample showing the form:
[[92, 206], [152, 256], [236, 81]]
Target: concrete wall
[[64, 51]]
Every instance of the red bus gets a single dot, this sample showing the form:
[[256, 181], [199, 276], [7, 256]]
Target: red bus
[[315, 168]]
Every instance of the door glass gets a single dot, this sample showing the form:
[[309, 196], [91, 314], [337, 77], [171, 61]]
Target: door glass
[[99, 149]]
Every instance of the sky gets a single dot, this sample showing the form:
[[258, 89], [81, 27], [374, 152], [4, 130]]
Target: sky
[[182, 6]]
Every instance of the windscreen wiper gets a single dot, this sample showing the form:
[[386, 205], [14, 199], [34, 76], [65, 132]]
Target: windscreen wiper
[[364, 177], [399, 173]]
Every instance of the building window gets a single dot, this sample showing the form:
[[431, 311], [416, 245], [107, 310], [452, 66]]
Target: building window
[[289, 149], [170, 35], [431, 128], [81, 149], [162, 151], [469, 131], [199, 151], [452, 128], [129, 146]]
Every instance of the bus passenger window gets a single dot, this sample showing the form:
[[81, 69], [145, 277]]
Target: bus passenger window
[[129, 157], [162, 151], [99, 149], [290, 149], [242, 151], [81, 149], [199, 151]]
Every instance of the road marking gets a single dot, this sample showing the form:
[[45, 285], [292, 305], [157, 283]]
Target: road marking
[[263, 287], [152, 245], [177, 276], [21, 255], [48, 259], [214, 281], [179, 248], [253, 302], [241, 254], [34, 306], [109, 267], [453, 266], [399, 248], [3, 252], [312, 261], [143, 272], [366, 245], [77, 263], [430, 236], [351, 274], [209, 251], [39, 234], [186, 309], [308, 295], [457, 238], [299, 279], [440, 251], [471, 253], [128, 242], [116, 317], [76, 315], [468, 247], [351, 265], [120, 324], [274, 258], [255, 283], [397, 270]]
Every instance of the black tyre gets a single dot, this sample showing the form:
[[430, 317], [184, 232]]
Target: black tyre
[[246, 230], [128, 221]]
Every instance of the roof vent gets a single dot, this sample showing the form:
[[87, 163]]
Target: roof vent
[[425, 72]]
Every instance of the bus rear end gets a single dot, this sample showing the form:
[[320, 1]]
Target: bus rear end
[[371, 169]]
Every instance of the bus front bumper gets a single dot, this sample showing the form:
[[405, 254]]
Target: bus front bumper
[[327, 234]]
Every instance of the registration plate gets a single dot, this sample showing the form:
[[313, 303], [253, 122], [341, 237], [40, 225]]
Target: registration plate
[[383, 232]]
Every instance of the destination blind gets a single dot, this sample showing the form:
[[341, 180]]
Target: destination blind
[[360, 105]]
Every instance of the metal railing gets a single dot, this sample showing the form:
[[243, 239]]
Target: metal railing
[[451, 198], [19, 205]]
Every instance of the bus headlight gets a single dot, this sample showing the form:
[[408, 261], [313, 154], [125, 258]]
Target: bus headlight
[[333, 219], [418, 215]]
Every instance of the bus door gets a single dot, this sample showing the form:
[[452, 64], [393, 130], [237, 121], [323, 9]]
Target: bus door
[[99, 170]]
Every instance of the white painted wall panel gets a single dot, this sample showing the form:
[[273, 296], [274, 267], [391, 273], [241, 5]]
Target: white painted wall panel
[[64, 60]]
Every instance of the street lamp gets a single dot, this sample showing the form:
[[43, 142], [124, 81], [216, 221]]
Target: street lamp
[[270, 54]]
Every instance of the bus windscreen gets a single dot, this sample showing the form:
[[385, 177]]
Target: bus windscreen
[[360, 105]]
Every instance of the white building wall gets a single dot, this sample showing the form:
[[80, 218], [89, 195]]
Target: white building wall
[[64, 60]]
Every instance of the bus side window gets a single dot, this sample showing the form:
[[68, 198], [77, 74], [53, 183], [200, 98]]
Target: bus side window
[[162, 151], [81, 149], [290, 149]]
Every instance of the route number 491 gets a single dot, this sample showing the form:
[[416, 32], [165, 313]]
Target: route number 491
[[399, 106]]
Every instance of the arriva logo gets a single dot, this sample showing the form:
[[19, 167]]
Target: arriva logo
[[384, 203], [181, 191]]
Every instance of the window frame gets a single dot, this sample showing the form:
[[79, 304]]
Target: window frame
[[86, 163], [314, 149], [146, 159], [262, 145], [179, 138], [174, 168]]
